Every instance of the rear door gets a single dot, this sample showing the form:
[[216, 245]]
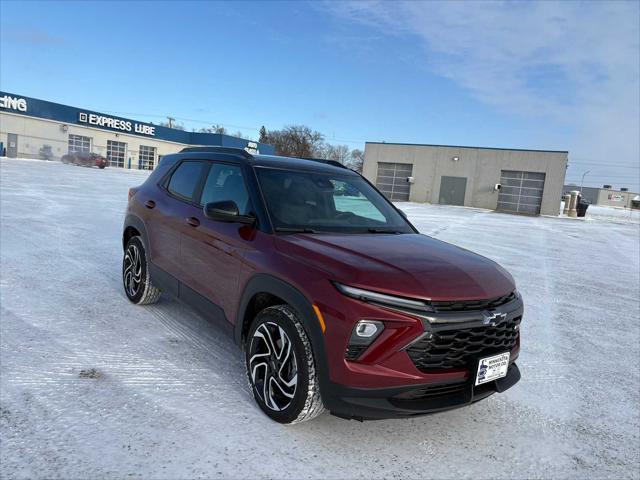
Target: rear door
[[212, 252], [168, 209]]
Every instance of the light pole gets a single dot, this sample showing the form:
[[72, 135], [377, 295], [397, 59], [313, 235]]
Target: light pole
[[582, 181]]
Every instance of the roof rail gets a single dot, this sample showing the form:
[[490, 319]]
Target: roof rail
[[335, 163], [214, 149]]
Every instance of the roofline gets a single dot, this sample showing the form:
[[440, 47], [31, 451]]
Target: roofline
[[215, 149], [467, 146], [240, 152]]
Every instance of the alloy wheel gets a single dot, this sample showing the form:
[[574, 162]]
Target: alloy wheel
[[272, 366], [132, 271]]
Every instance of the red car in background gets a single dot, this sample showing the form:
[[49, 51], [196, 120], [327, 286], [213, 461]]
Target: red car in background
[[86, 159]]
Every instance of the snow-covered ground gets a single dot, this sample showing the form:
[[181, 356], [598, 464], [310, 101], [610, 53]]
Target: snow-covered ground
[[94, 387]]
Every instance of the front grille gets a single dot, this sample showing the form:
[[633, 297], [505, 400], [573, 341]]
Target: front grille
[[459, 348], [471, 305]]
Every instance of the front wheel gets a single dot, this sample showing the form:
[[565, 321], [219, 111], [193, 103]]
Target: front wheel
[[281, 367], [136, 278]]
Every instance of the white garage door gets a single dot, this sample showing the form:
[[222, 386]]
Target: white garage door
[[392, 180], [521, 192]]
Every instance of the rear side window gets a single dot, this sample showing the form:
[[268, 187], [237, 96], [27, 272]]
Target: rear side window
[[185, 179]]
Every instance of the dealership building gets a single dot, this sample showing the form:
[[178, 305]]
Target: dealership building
[[35, 128], [509, 180]]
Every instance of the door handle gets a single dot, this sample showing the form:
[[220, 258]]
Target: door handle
[[150, 204], [193, 221]]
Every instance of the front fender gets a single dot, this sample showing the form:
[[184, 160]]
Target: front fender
[[265, 283]]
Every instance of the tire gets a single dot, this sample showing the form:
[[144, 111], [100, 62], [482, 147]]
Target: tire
[[274, 329], [136, 279], [101, 167]]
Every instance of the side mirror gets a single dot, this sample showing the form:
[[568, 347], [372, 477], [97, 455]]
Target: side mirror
[[226, 211]]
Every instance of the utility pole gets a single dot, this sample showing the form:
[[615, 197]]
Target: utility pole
[[171, 120], [582, 181]]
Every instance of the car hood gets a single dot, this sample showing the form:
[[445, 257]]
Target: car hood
[[410, 265]]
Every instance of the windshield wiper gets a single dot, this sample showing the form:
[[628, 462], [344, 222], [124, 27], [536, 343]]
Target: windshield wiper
[[294, 230], [383, 230]]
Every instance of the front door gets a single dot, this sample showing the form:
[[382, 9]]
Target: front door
[[452, 190], [12, 145], [212, 252]]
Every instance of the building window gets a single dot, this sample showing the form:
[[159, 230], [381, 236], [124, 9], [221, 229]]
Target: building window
[[147, 157], [392, 180], [78, 143], [116, 152]]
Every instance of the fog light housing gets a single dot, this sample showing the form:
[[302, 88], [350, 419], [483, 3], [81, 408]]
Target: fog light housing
[[363, 334]]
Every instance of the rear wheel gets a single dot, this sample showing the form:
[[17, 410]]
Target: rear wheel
[[135, 274], [281, 367]]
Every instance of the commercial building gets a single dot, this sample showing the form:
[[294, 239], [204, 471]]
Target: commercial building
[[39, 129], [508, 180], [607, 196]]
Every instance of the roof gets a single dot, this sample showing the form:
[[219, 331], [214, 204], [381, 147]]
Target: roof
[[468, 146], [315, 164]]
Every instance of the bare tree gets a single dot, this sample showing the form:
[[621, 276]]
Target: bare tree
[[338, 153], [356, 161], [296, 141], [212, 129], [172, 124]]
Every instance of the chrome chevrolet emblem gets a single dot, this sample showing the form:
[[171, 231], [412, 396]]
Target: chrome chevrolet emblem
[[493, 318]]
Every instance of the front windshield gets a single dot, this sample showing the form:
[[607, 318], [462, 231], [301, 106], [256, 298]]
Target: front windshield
[[309, 201]]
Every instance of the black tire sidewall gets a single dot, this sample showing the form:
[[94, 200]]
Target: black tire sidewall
[[143, 258], [292, 412]]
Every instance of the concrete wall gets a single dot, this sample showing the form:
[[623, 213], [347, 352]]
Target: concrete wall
[[481, 166], [34, 133], [615, 198]]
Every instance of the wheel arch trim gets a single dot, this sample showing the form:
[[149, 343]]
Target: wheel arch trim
[[136, 222], [265, 283]]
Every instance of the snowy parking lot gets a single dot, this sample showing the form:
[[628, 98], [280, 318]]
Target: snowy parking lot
[[94, 387]]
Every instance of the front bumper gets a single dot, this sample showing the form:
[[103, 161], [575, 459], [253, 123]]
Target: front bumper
[[407, 401]]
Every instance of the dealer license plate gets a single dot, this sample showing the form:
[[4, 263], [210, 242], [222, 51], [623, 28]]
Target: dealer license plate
[[492, 368]]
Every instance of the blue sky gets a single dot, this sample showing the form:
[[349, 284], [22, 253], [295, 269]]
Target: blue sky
[[507, 74]]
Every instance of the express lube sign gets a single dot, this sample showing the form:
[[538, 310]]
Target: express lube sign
[[116, 124]]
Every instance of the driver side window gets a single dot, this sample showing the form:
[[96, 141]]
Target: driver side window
[[225, 182]]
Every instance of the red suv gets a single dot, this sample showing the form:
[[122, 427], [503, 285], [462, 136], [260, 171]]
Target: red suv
[[337, 300]]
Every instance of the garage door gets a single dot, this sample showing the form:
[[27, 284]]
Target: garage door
[[392, 180], [521, 192], [115, 153]]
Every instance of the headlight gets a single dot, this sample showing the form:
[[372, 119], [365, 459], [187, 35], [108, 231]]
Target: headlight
[[383, 299]]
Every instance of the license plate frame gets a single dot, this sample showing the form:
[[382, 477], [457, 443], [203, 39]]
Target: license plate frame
[[492, 368]]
